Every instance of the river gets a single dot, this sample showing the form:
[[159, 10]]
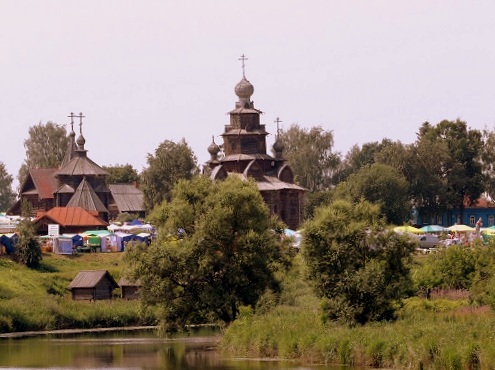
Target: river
[[129, 350]]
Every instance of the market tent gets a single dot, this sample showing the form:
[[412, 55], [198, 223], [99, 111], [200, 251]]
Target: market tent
[[9, 241], [408, 229], [63, 245], [433, 229], [111, 242], [461, 228]]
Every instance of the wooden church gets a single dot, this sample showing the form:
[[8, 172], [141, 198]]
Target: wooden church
[[78, 183], [245, 154]]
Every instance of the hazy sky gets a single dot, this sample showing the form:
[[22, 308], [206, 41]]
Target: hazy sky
[[145, 71]]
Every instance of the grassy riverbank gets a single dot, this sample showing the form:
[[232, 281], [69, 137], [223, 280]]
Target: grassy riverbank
[[39, 299], [440, 333]]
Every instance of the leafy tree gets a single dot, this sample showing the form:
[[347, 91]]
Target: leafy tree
[[463, 166], [216, 252], [358, 157], [45, 147], [170, 163], [380, 184], [28, 249], [121, 174], [7, 195], [427, 174], [488, 160], [310, 155], [360, 268]]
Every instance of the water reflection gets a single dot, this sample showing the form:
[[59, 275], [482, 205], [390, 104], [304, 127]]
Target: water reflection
[[126, 350]]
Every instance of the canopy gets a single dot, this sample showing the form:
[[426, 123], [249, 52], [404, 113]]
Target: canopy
[[289, 232], [408, 229], [461, 228], [433, 228]]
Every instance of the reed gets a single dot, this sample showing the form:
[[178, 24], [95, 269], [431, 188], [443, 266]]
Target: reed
[[33, 300], [440, 333]]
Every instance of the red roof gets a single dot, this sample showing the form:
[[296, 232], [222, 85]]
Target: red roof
[[44, 181], [71, 216]]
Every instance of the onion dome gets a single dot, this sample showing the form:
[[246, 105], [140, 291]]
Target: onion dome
[[80, 142], [213, 149], [244, 89], [278, 146]]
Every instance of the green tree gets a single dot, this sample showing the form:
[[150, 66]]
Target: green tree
[[28, 249], [121, 174], [488, 160], [45, 147], [170, 163], [358, 157], [360, 268], [309, 153], [427, 174], [463, 167], [380, 184], [216, 252], [7, 196]]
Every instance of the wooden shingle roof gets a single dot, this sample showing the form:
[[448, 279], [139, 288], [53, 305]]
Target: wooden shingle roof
[[81, 165], [127, 197], [125, 282], [91, 278], [44, 181], [85, 197]]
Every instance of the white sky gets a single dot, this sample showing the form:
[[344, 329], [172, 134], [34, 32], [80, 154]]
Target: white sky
[[145, 71]]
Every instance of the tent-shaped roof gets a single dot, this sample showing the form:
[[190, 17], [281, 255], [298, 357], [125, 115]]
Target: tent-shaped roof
[[71, 216], [81, 165], [90, 278], [85, 197]]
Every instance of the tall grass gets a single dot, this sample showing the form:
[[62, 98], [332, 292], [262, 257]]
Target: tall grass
[[440, 334], [32, 300]]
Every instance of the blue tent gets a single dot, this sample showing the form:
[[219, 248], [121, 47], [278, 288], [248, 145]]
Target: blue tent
[[9, 241]]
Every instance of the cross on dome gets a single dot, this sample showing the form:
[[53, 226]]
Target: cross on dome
[[243, 58], [71, 120], [277, 121], [80, 121]]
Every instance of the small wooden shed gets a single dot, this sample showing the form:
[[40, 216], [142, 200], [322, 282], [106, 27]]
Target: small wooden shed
[[130, 290], [92, 285]]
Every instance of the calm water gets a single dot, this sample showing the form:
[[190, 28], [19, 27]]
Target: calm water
[[127, 350]]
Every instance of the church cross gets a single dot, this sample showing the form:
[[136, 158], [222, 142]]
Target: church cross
[[80, 121], [277, 121], [243, 58], [71, 120]]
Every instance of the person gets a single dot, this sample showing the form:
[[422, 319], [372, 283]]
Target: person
[[479, 225]]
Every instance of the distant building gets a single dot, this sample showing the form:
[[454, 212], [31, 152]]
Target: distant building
[[483, 208], [92, 285], [72, 220], [244, 147], [126, 198], [130, 290], [77, 182]]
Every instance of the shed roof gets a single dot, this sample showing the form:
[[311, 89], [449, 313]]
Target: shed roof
[[125, 282], [91, 278], [127, 197]]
